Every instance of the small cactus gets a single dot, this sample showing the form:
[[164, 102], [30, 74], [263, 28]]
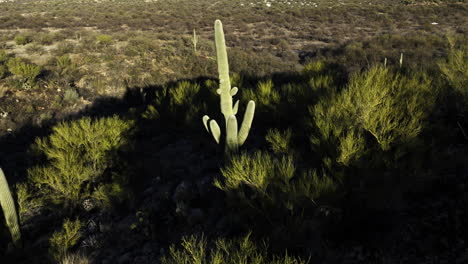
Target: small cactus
[[9, 210], [234, 137]]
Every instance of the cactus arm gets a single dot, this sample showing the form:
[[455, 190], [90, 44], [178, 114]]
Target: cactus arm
[[9, 210], [231, 134], [235, 108], [215, 130], [205, 122], [223, 70], [246, 122], [234, 91]]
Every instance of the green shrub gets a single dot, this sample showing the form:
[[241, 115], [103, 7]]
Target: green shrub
[[78, 152], [270, 184], [455, 69], [104, 40], [389, 107], [3, 57], [27, 72], [183, 93], [22, 39], [280, 142], [62, 241], [236, 251], [70, 96], [264, 95]]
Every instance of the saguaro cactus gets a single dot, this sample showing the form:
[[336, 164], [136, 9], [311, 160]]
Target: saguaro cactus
[[234, 138], [9, 210]]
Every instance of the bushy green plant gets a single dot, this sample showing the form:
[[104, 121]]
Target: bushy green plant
[[265, 95], [9, 210], [389, 107], [183, 93], [104, 40], [78, 152], [27, 72], [280, 142], [236, 251], [269, 184], [3, 57], [26, 200], [455, 68], [22, 39], [62, 241]]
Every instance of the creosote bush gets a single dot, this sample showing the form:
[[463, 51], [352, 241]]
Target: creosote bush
[[264, 185], [22, 39], [62, 241], [78, 152], [26, 72], [378, 108], [237, 251], [455, 68]]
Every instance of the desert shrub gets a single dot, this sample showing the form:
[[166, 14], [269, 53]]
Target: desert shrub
[[65, 70], [388, 107], [104, 40], [78, 152], [3, 57], [62, 241], [455, 68], [26, 201], [26, 72], [76, 258], [280, 142], [3, 71], [70, 96], [264, 96], [236, 251], [268, 187], [35, 48], [183, 100], [183, 93], [22, 39]]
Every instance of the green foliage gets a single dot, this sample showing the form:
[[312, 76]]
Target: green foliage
[[70, 96], [183, 93], [27, 72], [65, 65], [455, 69], [78, 152], [269, 184], [237, 251], [62, 241], [9, 210], [265, 95], [234, 137], [389, 107], [22, 39], [3, 57], [26, 201], [104, 40], [280, 142]]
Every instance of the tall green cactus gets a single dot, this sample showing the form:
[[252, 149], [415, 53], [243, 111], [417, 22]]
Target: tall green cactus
[[234, 137], [9, 210]]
